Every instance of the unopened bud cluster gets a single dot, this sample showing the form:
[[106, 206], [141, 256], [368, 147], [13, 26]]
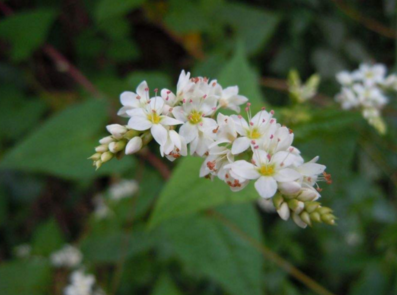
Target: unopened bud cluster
[[236, 149]]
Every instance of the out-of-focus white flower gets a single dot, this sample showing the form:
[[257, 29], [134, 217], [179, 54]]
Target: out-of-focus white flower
[[370, 74], [101, 210], [131, 100], [366, 92], [80, 284], [23, 251], [123, 189], [69, 257], [151, 117]]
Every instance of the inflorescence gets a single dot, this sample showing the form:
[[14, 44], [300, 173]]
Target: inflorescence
[[236, 149]]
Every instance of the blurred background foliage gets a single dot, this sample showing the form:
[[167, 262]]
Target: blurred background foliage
[[198, 238]]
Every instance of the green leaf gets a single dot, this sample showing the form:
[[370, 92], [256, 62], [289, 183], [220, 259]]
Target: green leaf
[[207, 246], [47, 238], [62, 145], [252, 25], [238, 72], [25, 277], [165, 286], [26, 31], [186, 193], [153, 78], [107, 9]]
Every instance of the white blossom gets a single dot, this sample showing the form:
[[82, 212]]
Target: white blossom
[[123, 189], [80, 284], [69, 257], [131, 100]]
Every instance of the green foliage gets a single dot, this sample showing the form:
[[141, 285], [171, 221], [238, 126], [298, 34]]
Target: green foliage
[[165, 286], [238, 72], [217, 251], [26, 31], [47, 238], [107, 9], [31, 277], [186, 193], [59, 146]]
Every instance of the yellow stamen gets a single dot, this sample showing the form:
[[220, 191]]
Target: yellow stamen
[[267, 170], [154, 118], [254, 134], [195, 117]]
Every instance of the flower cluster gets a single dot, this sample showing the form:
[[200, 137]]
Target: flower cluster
[[69, 257], [236, 150], [365, 89], [82, 284]]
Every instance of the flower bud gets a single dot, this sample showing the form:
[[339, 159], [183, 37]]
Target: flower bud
[[328, 219], [106, 157], [306, 218], [106, 140], [116, 130], [289, 188], [95, 156], [116, 146], [102, 148], [133, 146], [315, 216], [324, 210], [311, 206], [296, 205], [308, 195], [130, 134], [299, 222], [284, 211], [278, 200]]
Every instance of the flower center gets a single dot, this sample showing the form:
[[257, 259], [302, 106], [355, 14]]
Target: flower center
[[195, 117], [254, 133], [154, 118], [267, 170]]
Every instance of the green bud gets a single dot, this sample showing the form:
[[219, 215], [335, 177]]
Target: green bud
[[315, 216], [306, 218], [328, 219], [296, 205], [146, 138], [98, 164], [107, 156], [311, 206], [278, 200], [130, 134], [324, 210], [117, 146]]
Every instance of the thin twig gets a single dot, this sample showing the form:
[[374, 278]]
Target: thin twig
[[274, 257], [369, 23]]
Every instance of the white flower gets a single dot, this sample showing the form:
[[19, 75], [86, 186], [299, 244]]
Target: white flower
[[69, 256], [254, 132], [151, 117], [183, 87], [347, 98], [131, 100], [345, 78], [101, 209], [369, 96], [134, 145], [391, 82], [310, 171], [174, 147], [370, 74], [198, 130], [81, 284], [123, 189], [267, 170], [226, 132], [229, 99]]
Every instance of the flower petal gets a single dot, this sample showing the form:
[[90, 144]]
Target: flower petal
[[286, 175], [310, 169], [139, 123], [188, 131], [266, 187], [240, 145], [159, 133], [244, 169], [169, 121]]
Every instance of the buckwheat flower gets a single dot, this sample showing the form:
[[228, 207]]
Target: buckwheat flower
[[370, 74], [348, 99], [226, 132], [254, 132], [390, 83], [197, 128], [69, 257], [123, 189], [230, 99], [183, 87], [101, 209], [370, 96], [151, 117], [80, 284], [131, 100], [267, 170], [116, 130], [175, 146], [345, 78], [310, 171], [134, 145]]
